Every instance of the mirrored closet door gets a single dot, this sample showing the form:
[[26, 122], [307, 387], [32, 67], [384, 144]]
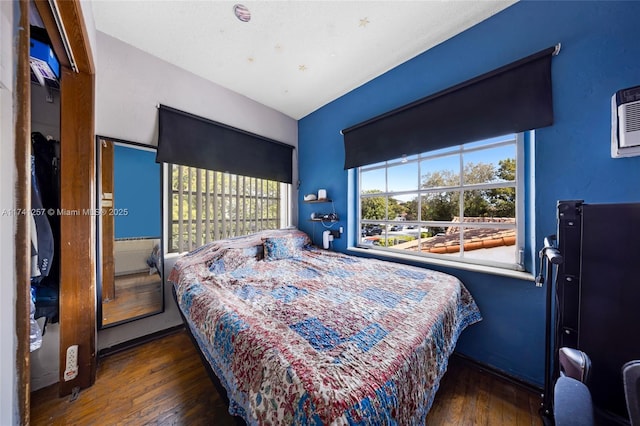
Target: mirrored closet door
[[129, 220]]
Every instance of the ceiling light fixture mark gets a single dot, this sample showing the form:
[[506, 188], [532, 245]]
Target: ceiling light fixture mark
[[364, 22], [302, 67], [242, 12]]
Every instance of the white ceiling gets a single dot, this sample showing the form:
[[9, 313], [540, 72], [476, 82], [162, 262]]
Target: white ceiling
[[293, 56]]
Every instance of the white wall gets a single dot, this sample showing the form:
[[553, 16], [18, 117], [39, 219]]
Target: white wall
[[8, 389], [129, 85], [90, 25], [45, 116]]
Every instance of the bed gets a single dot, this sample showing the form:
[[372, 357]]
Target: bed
[[300, 335]]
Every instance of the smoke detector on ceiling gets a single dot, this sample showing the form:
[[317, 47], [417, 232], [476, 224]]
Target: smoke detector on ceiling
[[242, 12]]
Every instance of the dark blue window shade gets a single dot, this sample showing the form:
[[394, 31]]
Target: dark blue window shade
[[511, 99], [189, 140]]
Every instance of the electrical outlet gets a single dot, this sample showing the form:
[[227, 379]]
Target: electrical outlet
[[71, 365]]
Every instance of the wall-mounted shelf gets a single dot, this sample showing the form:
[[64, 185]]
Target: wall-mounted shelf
[[323, 220], [326, 200]]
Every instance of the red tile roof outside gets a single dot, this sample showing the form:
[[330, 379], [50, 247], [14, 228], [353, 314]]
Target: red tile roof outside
[[473, 238]]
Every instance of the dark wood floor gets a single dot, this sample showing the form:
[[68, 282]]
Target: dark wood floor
[[163, 382], [136, 295]]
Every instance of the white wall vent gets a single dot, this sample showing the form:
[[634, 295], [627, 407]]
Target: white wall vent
[[625, 123]]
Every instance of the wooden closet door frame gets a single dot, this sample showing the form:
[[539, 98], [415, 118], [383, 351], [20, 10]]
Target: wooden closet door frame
[[105, 150], [77, 173], [23, 203]]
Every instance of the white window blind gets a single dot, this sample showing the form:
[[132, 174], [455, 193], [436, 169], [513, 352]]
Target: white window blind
[[209, 205]]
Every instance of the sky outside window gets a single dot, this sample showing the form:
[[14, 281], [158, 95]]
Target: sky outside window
[[403, 177]]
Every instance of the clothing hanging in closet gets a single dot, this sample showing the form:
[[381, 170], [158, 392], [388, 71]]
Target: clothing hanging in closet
[[45, 203]]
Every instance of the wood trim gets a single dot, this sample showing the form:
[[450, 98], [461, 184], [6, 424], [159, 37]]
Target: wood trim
[[77, 254], [77, 179], [108, 226], [71, 14], [139, 341], [498, 373], [23, 203]]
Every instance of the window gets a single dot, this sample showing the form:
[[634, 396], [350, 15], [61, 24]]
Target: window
[[460, 203], [208, 205]]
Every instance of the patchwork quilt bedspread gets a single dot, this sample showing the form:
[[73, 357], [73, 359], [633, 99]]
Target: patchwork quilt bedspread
[[311, 336]]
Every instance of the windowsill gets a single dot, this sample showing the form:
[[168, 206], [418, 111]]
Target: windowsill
[[174, 255], [492, 270]]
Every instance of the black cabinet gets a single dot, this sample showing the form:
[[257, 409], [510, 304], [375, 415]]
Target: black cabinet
[[598, 290]]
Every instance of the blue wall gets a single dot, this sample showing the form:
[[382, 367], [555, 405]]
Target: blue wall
[[570, 160], [136, 188]]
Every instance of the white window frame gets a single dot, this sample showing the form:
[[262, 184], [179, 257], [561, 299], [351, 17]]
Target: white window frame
[[519, 184]]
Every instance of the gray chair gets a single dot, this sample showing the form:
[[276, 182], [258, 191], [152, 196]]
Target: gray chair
[[631, 381], [572, 405]]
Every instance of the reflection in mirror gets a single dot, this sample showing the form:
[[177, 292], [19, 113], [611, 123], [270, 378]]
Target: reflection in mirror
[[130, 224]]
